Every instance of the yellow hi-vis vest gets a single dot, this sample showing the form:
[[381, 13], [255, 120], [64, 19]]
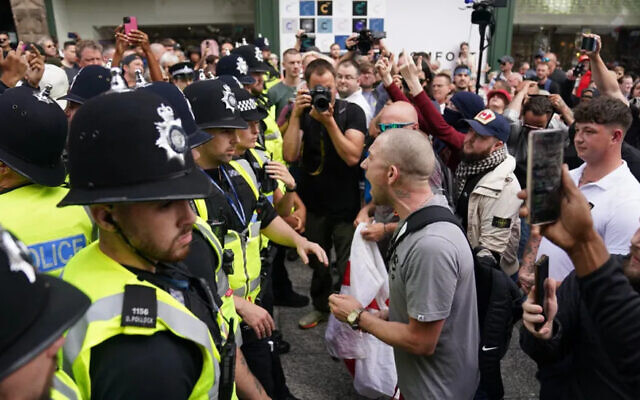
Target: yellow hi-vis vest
[[273, 141], [104, 281], [64, 388], [228, 309], [53, 235], [245, 280]]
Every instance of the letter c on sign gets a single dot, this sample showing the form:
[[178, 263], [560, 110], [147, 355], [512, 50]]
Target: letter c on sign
[[324, 26], [324, 8], [289, 26]]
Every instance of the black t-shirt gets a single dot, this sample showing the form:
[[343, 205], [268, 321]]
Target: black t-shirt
[[219, 204], [161, 365], [328, 186]]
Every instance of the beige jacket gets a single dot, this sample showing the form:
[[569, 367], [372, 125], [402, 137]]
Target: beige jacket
[[492, 216]]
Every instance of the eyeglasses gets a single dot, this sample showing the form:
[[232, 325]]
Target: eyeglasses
[[393, 125]]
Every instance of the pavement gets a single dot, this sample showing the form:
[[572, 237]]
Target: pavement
[[313, 375]]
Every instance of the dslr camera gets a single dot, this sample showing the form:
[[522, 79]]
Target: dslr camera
[[366, 39], [320, 98]]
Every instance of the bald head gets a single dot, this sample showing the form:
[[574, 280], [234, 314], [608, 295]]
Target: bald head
[[553, 61], [400, 112], [410, 151]]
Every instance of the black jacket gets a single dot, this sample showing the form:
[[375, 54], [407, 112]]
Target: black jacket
[[595, 349]]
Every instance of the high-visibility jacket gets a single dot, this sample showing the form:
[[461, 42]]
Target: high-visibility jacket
[[246, 245], [104, 281], [53, 235], [64, 388]]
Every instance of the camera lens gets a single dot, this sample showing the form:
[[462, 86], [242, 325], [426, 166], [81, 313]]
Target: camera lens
[[321, 103]]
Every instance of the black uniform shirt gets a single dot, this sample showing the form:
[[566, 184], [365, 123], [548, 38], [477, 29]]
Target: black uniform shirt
[[161, 365], [219, 204]]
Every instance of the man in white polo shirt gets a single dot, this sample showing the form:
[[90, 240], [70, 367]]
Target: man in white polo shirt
[[605, 180]]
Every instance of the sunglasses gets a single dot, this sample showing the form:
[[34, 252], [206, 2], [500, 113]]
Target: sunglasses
[[392, 125]]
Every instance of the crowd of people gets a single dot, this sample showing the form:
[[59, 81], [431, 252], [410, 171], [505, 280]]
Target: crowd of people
[[158, 193]]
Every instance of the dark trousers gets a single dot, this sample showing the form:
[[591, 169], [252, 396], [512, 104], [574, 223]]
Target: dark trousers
[[328, 232], [282, 286], [264, 363]]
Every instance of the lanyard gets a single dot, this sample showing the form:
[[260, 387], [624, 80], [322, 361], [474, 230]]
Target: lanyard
[[235, 205]]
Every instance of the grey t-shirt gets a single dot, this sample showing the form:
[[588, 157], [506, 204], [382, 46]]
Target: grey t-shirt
[[432, 279], [280, 95]]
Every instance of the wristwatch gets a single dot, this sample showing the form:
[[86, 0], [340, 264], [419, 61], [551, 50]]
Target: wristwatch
[[354, 318], [295, 187]]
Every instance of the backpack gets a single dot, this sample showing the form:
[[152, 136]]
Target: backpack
[[498, 300]]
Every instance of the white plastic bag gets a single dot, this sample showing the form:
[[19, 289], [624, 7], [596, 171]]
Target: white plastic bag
[[375, 372]]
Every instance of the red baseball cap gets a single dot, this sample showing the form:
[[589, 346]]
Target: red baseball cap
[[503, 92]]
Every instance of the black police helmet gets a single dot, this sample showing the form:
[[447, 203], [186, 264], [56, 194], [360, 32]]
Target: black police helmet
[[36, 308], [129, 147], [181, 106], [236, 65], [248, 107], [253, 57], [89, 82], [34, 130], [182, 69], [214, 105]]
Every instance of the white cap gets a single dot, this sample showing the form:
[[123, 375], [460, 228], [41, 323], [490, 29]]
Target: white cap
[[57, 78]]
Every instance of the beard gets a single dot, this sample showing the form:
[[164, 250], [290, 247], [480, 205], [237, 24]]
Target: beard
[[473, 157]]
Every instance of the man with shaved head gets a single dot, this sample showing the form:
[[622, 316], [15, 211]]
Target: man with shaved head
[[432, 320], [381, 220]]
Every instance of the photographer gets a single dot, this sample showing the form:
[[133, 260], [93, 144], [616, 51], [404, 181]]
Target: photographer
[[588, 347], [331, 131]]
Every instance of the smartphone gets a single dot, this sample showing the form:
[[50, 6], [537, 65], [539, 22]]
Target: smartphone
[[544, 175], [72, 35], [589, 44], [541, 274], [130, 23]]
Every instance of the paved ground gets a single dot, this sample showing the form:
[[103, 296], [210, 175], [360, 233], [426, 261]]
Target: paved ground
[[313, 375]]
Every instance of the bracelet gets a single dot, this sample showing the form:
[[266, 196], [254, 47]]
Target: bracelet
[[291, 190], [384, 227]]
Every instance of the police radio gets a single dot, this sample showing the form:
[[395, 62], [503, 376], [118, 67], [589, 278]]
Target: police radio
[[227, 261]]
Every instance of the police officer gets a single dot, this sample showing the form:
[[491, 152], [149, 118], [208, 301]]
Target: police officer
[[235, 65], [36, 310], [182, 74], [31, 172], [89, 82], [278, 186], [272, 139], [156, 307], [236, 202]]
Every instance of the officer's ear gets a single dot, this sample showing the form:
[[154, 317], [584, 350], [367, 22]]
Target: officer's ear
[[103, 216]]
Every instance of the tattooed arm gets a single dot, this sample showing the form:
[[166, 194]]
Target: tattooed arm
[[247, 385], [526, 272]]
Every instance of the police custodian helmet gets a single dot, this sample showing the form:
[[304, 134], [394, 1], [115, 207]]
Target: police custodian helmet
[[129, 147]]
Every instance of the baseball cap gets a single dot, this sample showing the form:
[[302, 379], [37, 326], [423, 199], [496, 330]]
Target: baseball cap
[[502, 92], [89, 82], [182, 108], [253, 57], [236, 65], [506, 59], [214, 105], [57, 78], [129, 147], [36, 308], [488, 123], [33, 135]]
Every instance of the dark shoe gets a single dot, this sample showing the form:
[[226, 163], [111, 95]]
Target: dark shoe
[[280, 345], [292, 299]]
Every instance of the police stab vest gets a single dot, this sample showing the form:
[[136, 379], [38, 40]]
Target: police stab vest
[[245, 280], [106, 282], [53, 235]]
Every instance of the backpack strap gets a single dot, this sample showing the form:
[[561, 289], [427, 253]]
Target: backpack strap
[[419, 220]]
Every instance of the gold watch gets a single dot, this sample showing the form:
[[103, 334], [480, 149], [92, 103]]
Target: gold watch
[[354, 318]]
